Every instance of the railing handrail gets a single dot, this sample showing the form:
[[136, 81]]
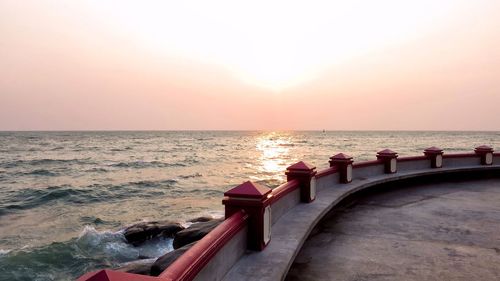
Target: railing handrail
[[413, 158], [460, 155], [366, 163], [188, 265], [326, 172], [282, 190]]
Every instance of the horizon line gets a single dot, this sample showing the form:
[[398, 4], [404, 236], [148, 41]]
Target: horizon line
[[247, 130]]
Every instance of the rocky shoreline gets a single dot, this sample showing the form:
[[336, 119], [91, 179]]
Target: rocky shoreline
[[183, 239]]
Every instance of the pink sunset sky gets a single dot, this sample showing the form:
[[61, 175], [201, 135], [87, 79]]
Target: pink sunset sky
[[250, 65]]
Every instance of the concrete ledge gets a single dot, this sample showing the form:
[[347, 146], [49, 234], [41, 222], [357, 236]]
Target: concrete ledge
[[219, 249], [284, 204], [219, 265], [293, 228]]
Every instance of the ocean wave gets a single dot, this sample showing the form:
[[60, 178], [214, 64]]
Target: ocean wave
[[146, 164], [4, 252], [29, 198], [162, 150], [121, 149], [43, 162], [191, 160], [57, 148], [196, 175], [158, 183], [451, 148], [57, 261], [205, 192], [85, 149], [109, 243], [41, 172], [91, 220], [98, 170], [114, 245], [67, 260], [113, 192]]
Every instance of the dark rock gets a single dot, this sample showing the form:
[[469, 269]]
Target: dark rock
[[166, 260], [194, 232], [138, 267], [139, 233], [201, 219]]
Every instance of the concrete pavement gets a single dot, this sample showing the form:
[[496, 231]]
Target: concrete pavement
[[445, 231]]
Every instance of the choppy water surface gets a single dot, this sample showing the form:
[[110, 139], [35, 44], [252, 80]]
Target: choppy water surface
[[64, 196]]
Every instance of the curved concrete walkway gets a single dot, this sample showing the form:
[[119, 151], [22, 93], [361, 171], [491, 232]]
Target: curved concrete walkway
[[445, 231]]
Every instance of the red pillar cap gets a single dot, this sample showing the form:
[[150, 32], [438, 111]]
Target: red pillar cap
[[387, 152], [301, 166], [248, 189], [433, 150], [483, 148], [341, 157]]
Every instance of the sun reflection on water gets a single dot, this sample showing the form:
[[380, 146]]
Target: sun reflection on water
[[274, 156]]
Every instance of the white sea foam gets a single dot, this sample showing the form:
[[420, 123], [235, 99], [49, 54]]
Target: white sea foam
[[186, 224], [144, 261], [4, 252], [114, 245], [92, 235], [216, 214]]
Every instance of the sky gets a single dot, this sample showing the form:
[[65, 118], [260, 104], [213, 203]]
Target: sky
[[249, 65]]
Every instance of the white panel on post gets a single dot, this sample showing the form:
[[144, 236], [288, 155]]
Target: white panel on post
[[349, 173], [393, 165], [489, 158], [439, 161], [313, 188], [267, 224]]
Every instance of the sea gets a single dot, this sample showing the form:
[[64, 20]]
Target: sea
[[65, 197]]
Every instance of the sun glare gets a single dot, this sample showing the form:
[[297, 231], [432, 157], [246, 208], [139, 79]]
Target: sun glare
[[274, 149], [273, 44]]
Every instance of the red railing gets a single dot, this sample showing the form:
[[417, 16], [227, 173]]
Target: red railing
[[461, 155], [412, 158], [367, 163], [194, 260], [326, 172], [282, 190], [187, 266]]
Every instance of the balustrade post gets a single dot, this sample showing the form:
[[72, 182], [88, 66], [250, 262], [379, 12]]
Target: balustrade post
[[486, 153], [388, 157], [343, 163], [305, 173], [435, 154], [255, 200]]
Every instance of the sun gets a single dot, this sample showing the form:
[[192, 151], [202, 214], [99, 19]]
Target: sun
[[272, 44]]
